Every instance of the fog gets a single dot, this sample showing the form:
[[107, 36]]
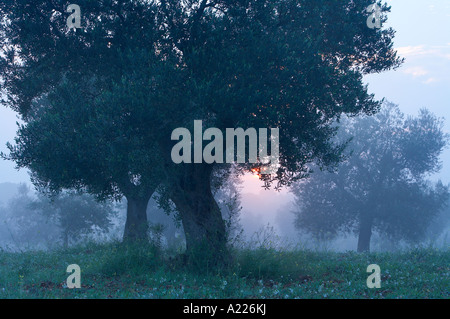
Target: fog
[[266, 219], [422, 81]]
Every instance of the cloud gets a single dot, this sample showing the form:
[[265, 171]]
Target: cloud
[[416, 71], [410, 51], [420, 72], [430, 81], [441, 51], [429, 64]]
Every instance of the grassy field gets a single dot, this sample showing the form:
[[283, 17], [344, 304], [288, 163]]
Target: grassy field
[[111, 271]]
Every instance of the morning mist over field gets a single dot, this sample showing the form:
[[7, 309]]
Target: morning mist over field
[[116, 124]]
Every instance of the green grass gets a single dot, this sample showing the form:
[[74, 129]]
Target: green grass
[[112, 271]]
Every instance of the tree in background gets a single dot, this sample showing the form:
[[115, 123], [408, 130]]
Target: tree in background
[[100, 103], [25, 228], [36, 221], [439, 228], [228, 196], [77, 215], [383, 184]]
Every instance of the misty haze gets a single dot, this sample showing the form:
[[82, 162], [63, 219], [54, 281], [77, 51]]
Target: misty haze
[[134, 150]]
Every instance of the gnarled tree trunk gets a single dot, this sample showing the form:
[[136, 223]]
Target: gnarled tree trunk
[[202, 220], [136, 225]]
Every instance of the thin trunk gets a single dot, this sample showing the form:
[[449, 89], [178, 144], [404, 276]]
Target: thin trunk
[[365, 232], [202, 220], [66, 239]]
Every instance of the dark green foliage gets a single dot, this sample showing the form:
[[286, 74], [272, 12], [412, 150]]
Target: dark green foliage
[[383, 185]]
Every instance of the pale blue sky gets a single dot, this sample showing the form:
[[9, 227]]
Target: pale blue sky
[[423, 38]]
